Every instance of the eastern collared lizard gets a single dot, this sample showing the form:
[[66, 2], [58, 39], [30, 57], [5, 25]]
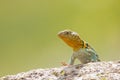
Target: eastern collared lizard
[[81, 49]]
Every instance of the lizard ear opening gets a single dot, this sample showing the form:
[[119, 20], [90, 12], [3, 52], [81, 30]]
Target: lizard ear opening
[[86, 44]]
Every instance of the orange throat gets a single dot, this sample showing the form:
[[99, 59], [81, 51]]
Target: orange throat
[[76, 45]]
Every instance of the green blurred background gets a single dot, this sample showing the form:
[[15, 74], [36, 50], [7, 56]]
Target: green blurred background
[[28, 31]]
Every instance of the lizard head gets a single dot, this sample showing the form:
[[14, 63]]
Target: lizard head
[[72, 39]]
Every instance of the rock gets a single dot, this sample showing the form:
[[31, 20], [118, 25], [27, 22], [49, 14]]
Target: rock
[[91, 71]]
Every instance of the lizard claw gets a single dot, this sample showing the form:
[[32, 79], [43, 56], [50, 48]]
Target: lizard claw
[[64, 64]]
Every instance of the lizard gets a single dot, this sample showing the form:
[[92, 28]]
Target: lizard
[[81, 49]]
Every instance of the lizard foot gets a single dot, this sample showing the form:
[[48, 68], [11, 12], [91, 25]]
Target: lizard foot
[[64, 64]]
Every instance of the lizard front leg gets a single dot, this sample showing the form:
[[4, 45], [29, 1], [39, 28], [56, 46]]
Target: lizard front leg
[[72, 60]]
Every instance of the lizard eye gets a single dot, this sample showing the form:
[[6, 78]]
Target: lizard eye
[[67, 32]]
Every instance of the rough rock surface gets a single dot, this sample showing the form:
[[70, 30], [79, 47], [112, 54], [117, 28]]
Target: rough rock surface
[[91, 71]]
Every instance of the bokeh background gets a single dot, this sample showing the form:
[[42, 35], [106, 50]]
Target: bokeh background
[[28, 31]]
